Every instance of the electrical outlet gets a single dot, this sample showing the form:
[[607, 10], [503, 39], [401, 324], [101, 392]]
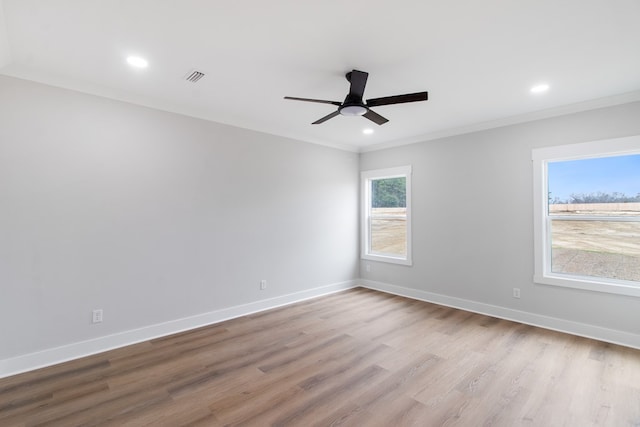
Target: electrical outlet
[[97, 316], [263, 285], [516, 292]]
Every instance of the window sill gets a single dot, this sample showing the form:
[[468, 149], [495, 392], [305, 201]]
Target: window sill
[[612, 286], [388, 259]]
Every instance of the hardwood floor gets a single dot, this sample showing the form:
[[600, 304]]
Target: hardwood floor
[[356, 358]]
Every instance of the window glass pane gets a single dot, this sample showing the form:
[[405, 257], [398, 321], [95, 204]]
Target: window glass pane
[[389, 193], [608, 249], [388, 230], [582, 191], [603, 186]]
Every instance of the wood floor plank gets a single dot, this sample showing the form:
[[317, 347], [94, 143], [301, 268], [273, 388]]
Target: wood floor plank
[[355, 358]]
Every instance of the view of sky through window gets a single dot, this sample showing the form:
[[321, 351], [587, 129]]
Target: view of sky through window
[[608, 175]]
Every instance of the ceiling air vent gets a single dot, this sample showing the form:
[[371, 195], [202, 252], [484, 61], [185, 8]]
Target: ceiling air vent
[[194, 76]]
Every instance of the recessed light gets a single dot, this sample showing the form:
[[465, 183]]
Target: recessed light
[[367, 131], [542, 87], [137, 62]]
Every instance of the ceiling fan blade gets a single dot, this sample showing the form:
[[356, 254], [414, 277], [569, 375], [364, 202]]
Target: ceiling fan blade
[[375, 117], [398, 99], [321, 101], [358, 81], [327, 117]]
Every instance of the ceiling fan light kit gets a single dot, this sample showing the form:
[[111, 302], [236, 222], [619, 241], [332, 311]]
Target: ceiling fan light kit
[[353, 110], [353, 104]]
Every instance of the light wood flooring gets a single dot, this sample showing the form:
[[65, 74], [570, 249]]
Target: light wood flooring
[[356, 358]]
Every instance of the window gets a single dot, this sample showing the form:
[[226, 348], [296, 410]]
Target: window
[[386, 209], [587, 215]]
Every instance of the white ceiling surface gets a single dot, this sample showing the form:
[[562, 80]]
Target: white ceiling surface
[[478, 60]]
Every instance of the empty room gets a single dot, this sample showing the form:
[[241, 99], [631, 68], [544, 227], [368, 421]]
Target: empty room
[[286, 213]]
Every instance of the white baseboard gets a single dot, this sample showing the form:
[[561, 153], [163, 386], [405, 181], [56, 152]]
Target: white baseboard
[[575, 328], [77, 350]]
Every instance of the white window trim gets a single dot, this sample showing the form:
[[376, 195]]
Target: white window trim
[[366, 177], [541, 225]]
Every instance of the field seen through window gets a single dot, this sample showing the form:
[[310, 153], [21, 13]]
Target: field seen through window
[[608, 249]]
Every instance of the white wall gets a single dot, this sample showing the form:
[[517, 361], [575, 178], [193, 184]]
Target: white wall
[[154, 216], [474, 257], [157, 217], [5, 53]]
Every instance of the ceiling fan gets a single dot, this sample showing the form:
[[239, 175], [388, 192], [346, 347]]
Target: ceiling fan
[[353, 105]]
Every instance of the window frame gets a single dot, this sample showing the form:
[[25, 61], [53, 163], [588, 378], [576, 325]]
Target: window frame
[[365, 248], [542, 220]]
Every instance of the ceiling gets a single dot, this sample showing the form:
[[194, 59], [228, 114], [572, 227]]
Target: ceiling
[[477, 59]]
